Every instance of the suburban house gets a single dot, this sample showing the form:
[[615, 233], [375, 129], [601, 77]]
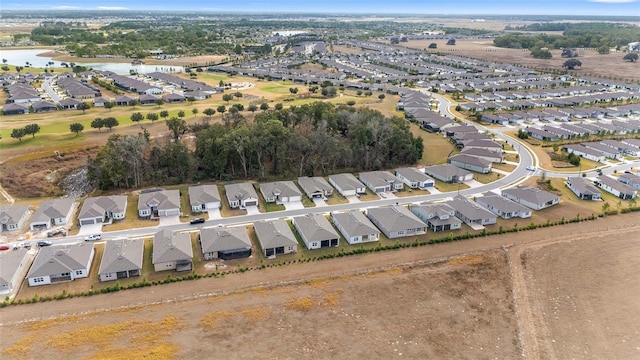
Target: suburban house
[[608, 151], [502, 206], [276, 237], [438, 217], [316, 231], [315, 187], [380, 181], [629, 179], [241, 195], [280, 192], [471, 163], [12, 217], [226, 243], [11, 271], [157, 202], [204, 197], [448, 173], [583, 188], [53, 212], [415, 178], [484, 154], [172, 250], [585, 152], [355, 227], [617, 188], [533, 198], [61, 263], [347, 184], [396, 221], [97, 210], [121, 259], [471, 213]]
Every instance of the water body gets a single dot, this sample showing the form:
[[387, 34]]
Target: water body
[[21, 57]]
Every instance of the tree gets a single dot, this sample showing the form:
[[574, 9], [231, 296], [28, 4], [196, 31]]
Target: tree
[[359, 92], [238, 107], [137, 117], [631, 57], [221, 83], [293, 90], [278, 106], [264, 106], [252, 108], [110, 122], [194, 111], [222, 109], [227, 97], [109, 105], [605, 207], [164, 114], [18, 134], [451, 42], [76, 128], [83, 106], [209, 112], [604, 49], [381, 97], [181, 113], [238, 94], [152, 116], [32, 129], [177, 127], [571, 64], [97, 123], [351, 102], [538, 53]]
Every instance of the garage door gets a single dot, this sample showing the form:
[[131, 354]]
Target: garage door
[[172, 212], [251, 203], [87, 222]]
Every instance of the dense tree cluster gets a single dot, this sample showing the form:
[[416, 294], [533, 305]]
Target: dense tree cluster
[[314, 139]]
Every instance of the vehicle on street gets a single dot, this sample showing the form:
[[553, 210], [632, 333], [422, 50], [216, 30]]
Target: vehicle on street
[[44, 243], [196, 221], [531, 168], [4, 247], [58, 231], [93, 237]]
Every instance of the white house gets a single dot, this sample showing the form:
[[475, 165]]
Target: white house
[[204, 197], [316, 231], [61, 263], [347, 184], [53, 212], [355, 227], [280, 192], [415, 178]]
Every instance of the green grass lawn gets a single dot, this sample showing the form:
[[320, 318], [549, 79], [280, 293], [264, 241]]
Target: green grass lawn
[[436, 147], [504, 167], [487, 178]]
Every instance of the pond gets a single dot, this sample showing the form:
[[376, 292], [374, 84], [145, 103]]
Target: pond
[[22, 57]]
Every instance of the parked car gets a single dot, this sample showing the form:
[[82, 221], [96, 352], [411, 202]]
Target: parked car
[[44, 243], [383, 195], [4, 247], [93, 237], [58, 231], [196, 221], [531, 168]]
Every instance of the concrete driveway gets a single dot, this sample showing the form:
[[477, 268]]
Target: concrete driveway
[[169, 220], [252, 210], [90, 229], [319, 202], [214, 214], [294, 205], [353, 199]]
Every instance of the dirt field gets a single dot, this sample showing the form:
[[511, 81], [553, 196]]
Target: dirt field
[[413, 302]]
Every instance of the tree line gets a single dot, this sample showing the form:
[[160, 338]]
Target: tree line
[[307, 140]]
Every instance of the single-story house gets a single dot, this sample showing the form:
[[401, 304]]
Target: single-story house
[[380, 181], [226, 243], [415, 178], [448, 173], [173, 98], [61, 263], [148, 99], [96, 210], [316, 231], [533, 198], [438, 217], [484, 154], [396, 221], [241, 195], [204, 197], [606, 150], [583, 188], [585, 152], [11, 271], [125, 100], [347, 184], [14, 109], [471, 163], [44, 106], [471, 213], [122, 258], [12, 217], [629, 179], [53, 212], [355, 227], [276, 237], [280, 192], [159, 202], [315, 187], [617, 188], [502, 206], [172, 250]]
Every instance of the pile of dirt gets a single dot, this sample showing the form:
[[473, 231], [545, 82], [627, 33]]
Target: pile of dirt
[[76, 184]]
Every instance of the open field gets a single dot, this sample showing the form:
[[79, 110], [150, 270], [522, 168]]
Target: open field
[[460, 307]]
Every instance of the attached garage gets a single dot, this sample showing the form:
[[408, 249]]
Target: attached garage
[[251, 203], [169, 212]]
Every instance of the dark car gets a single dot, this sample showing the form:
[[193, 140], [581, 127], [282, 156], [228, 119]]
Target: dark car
[[44, 243], [196, 221]]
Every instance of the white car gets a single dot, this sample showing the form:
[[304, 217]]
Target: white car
[[531, 168], [383, 195], [93, 237]]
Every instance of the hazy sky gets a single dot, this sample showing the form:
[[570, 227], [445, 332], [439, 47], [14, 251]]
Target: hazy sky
[[537, 7]]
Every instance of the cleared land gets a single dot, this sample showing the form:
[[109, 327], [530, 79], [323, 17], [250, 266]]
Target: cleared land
[[410, 302]]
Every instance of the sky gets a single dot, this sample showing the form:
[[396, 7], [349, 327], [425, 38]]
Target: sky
[[452, 7]]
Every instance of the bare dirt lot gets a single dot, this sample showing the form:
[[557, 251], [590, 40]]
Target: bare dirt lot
[[547, 294]]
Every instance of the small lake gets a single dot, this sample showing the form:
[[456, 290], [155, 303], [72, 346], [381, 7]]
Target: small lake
[[21, 57]]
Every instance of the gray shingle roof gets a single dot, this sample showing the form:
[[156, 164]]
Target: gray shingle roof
[[274, 233], [355, 223], [52, 209], [10, 260], [98, 206], [346, 181], [202, 194], [315, 227], [52, 260], [122, 255], [280, 188], [413, 174], [532, 195], [11, 214], [240, 191], [163, 199], [395, 218], [169, 246], [314, 184], [224, 238]]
